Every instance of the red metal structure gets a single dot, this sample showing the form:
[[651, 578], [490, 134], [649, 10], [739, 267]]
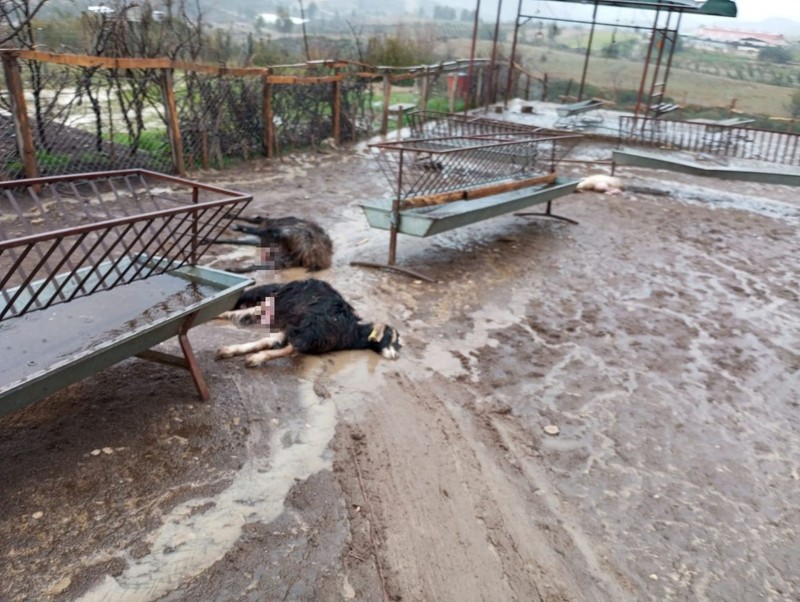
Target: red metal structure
[[663, 38]]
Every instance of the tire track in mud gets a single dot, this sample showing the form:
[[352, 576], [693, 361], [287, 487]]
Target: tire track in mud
[[507, 534]]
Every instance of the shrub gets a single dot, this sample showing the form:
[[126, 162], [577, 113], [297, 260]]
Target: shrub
[[794, 105], [775, 55]]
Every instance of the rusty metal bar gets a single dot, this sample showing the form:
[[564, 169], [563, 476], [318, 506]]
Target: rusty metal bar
[[117, 229], [588, 53]]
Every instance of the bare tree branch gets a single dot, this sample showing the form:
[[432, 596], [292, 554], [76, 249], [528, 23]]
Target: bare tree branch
[[16, 16]]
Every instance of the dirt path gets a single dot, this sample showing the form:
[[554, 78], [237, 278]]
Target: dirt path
[[660, 337]]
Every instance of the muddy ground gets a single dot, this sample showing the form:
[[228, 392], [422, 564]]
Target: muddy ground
[[660, 336]]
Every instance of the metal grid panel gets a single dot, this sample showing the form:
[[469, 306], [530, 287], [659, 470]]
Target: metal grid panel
[[429, 166], [434, 124], [735, 142], [75, 235]]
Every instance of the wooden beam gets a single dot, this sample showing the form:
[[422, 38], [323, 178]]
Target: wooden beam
[[173, 127], [477, 193], [337, 112], [19, 109], [266, 112], [387, 93]]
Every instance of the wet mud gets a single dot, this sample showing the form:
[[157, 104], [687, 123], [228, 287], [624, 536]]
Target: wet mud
[[660, 336]]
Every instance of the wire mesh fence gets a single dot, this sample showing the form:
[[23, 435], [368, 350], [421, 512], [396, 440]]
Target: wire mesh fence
[[302, 115], [87, 119], [220, 118], [89, 113]]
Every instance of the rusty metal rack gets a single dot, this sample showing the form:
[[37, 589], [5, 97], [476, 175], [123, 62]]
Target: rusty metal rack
[[435, 124], [420, 169], [509, 168], [121, 249]]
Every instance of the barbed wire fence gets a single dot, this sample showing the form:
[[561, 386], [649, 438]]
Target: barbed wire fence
[[62, 114]]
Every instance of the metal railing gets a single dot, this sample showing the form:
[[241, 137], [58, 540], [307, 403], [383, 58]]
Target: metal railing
[[71, 236], [452, 155], [712, 138]]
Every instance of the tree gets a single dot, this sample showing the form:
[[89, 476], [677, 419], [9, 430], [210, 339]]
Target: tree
[[794, 105], [284, 23], [259, 25], [16, 16], [775, 54], [553, 32]]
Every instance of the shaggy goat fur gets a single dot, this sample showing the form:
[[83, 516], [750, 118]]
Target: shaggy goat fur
[[305, 316], [289, 242]]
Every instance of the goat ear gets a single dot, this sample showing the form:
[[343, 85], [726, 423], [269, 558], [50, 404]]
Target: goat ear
[[377, 333]]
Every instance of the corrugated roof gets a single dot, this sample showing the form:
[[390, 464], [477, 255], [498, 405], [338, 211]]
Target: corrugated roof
[[718, 8]]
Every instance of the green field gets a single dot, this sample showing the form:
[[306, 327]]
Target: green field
[[685, 87]]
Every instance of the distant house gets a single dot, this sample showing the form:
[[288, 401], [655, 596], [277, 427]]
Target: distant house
[[734, 39], [102, 9], [272, 18]]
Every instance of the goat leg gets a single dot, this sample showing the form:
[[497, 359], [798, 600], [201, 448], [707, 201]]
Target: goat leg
[[241, 317], [269, 343], [231, 241], [262, 357]]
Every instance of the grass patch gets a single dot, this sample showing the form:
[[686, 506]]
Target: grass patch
[[613, 76]]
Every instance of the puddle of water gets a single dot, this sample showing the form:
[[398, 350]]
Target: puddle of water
[[186, 544], [486, 320], [759, 205]]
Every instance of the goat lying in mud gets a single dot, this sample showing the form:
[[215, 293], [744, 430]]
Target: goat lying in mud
[[286, 242], [304, 316]]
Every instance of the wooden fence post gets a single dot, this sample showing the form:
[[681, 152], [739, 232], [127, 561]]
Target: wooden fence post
[[266, 112], [173, 127], [452, 86], [25, 146], [337, 109], [426, 89], [387, 93], [480, 94]]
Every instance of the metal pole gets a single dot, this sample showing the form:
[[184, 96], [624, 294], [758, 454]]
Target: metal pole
[[588, 52], [662, 34], [472, 56], [672, 51], [513, 54], [644, 68], [492, 88], [395, 225]]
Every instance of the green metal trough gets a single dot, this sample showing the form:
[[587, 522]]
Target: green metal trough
[[654, 161], [96, 268], [45, 351], [435, 219]]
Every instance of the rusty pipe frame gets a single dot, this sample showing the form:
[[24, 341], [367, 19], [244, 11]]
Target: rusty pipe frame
[[110, 251]]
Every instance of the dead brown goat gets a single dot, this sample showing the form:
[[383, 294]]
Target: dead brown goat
[[286, 242]]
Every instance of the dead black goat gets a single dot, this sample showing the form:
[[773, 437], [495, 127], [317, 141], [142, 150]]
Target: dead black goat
[[285, 242], [304, 316]]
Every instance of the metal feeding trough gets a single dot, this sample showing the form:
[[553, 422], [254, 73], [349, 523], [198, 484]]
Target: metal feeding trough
[[460, 170], [96, 268]]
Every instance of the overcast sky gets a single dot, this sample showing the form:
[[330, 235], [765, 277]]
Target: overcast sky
[[750, 11], [757, 10]]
